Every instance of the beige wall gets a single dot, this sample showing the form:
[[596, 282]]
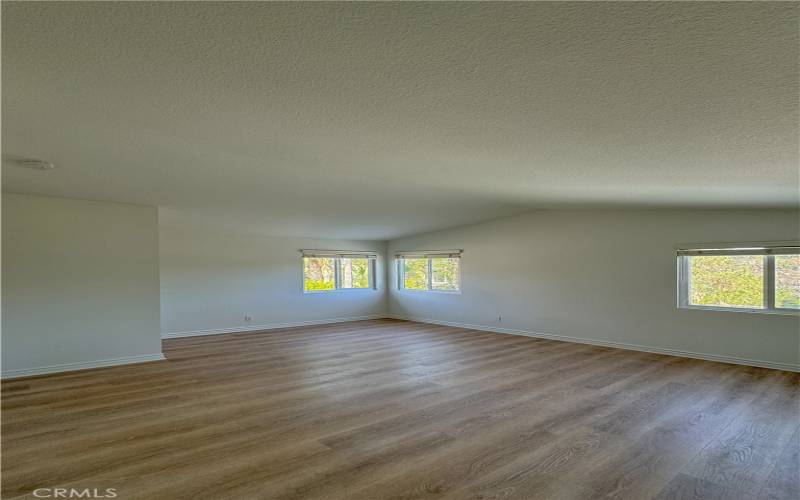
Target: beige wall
[[80, 284], [212, 278], [607, 276]]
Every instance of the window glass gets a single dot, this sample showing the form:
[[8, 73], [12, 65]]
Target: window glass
[[319, 273], [354, 272], [787, 281], [727, 281], [444, 274], [415, 274]]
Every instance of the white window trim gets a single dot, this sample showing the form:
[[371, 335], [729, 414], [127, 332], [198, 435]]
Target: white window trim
[[337, 256], [684, 281], [422, 255]]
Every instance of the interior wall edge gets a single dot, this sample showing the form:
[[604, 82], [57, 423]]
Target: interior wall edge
[[605, 343], [83, 365], [270, 326]]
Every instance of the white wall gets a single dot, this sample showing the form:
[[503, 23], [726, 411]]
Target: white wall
[[604, 276], [79, 285], [211, 279], [81, 282]]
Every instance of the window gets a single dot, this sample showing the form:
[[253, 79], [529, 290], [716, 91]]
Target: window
[[787, 281], [354, 272], [429, 271], [754, 279], [445, 274], [415, 273], [319, 274], [325, 271]]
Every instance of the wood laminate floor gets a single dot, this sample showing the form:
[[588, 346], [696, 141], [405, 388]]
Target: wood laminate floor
[[392, 409]]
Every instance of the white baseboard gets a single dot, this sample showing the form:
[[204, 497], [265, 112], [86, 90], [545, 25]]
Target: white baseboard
[[268, 326], [604, 343], [83, 365]]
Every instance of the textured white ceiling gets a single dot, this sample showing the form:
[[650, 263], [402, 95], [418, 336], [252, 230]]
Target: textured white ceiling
[[373, 120]]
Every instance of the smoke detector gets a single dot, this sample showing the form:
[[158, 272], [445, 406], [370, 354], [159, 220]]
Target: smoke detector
[[35, 164]]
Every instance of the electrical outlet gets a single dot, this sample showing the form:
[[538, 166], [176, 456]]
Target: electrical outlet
[[248, 318]]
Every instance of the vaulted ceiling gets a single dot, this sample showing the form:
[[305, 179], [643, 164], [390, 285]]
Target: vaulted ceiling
[[374, 120]]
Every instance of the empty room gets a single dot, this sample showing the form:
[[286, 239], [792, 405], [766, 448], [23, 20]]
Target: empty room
[[400, 250]]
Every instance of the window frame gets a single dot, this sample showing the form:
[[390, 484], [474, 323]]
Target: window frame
[[400, 268], [765, 251], [337, 256]]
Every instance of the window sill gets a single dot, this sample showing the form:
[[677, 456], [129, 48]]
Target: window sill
[[783, 312], [341, 290], [447, 292]]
